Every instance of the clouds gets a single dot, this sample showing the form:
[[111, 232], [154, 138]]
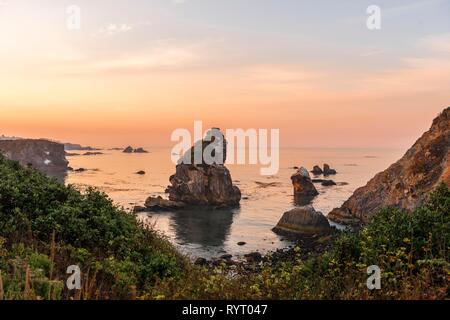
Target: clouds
[[159, 57], [439, 43], [113, 29]]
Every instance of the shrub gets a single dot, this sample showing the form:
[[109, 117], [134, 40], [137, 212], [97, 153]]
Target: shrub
[[51, 226]]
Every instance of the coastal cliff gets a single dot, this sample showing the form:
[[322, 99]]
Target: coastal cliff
[[43, 155], [406, 183]]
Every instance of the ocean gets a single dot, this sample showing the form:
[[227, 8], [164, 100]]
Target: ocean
[[210, 233]]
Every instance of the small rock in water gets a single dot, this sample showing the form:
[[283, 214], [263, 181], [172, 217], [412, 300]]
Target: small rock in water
[[253, 257], [241, 243], [323, 182], [327, 171], [160, 204], [304, 220], [128, 149], [138, 209], [89, 153], [80, 170], [201, 262], [328, 183], [142, 172], [140, 150], [317, 170]]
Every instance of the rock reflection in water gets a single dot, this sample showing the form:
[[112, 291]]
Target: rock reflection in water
[[203, 226]]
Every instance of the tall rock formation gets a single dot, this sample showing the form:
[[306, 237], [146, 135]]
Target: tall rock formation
[[304, 189], [43, 155], [406, 183], [203, 182]]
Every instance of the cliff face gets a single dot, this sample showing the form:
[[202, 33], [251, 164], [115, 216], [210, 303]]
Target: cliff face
[[406, 183], [43, 155]]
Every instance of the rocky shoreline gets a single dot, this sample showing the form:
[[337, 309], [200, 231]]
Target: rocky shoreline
[[303, 248]]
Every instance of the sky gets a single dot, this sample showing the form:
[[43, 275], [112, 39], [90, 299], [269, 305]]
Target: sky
[[137, 70]]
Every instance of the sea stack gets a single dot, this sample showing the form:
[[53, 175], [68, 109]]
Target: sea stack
[[406, 183], [204, 181], [304, 190]]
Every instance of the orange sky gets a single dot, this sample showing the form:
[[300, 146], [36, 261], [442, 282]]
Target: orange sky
[[113, 89]]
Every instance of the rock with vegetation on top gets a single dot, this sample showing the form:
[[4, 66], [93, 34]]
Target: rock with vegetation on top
[[303, 220], [406, 183], [204, 182]]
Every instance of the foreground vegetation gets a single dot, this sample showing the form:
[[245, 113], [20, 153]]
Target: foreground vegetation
[[45, 227], [411, 249]]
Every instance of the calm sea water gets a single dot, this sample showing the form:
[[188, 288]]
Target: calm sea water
[[210, 233]]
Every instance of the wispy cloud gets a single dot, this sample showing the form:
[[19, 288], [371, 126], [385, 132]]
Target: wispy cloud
[[403, 9], [438, 43], [162, 56], [395, 11], [113, 29], [373, 53]]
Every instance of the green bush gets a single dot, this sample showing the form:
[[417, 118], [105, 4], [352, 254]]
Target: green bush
[[52, 226]]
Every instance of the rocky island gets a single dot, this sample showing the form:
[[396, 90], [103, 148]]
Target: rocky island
[[204, 184]]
